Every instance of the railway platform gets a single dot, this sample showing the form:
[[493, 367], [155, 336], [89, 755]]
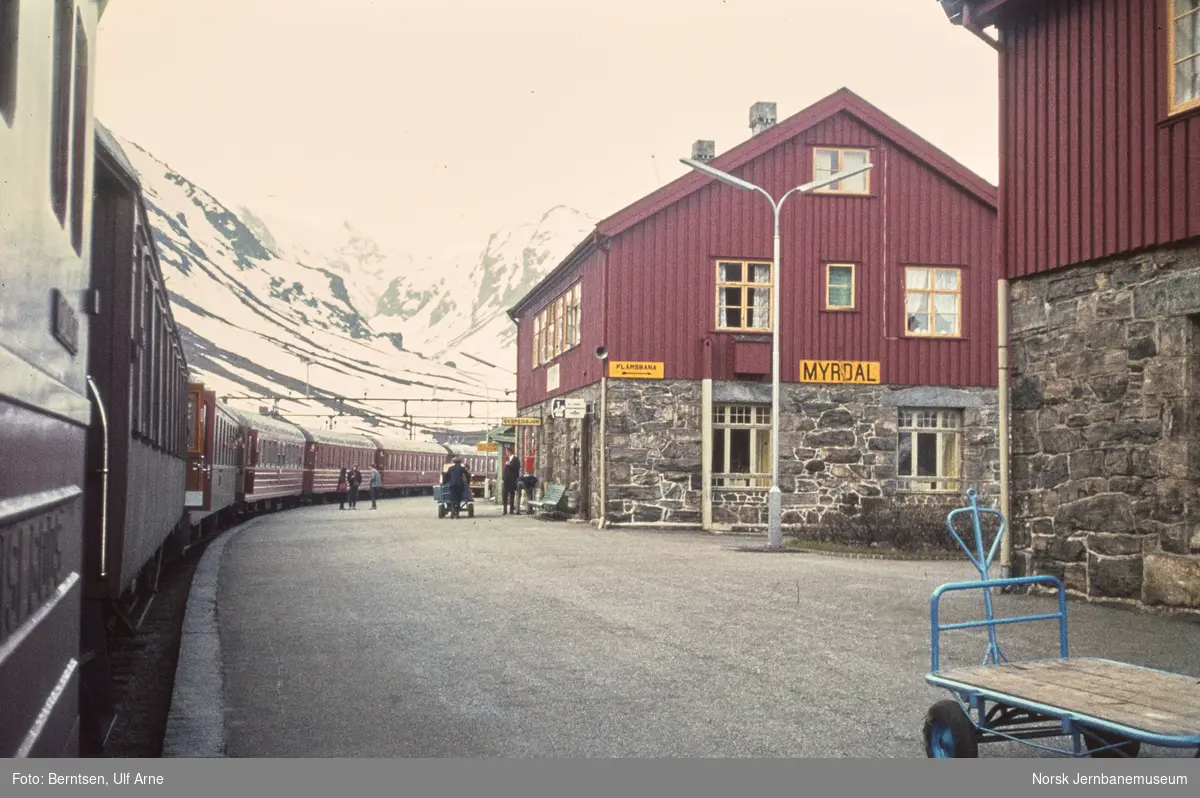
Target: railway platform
[[391, 633]]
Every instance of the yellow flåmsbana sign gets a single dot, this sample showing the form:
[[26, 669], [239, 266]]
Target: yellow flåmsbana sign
[[841, 371], [631, 370]]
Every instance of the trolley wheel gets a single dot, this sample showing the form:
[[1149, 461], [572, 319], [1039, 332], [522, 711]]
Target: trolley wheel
[[470, 511], [441, 511], [1131, 748], [949, 733]]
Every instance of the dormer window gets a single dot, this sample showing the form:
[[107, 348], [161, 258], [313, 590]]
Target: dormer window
[[829, 161]]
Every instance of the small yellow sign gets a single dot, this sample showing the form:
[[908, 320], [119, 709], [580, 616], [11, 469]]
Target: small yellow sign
[[521, 422], [843, 371], [485, 446], [643, 371]]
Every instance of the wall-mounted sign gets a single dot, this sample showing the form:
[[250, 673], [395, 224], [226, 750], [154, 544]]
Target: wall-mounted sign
[[843, 371], [486, 446], [627, 370], [509, 421], [568, 408]]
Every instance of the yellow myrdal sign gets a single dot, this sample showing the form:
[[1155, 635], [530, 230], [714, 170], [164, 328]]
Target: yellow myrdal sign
[[645, 371], [844, 371]]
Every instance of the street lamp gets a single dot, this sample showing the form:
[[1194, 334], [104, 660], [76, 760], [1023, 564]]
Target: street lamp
[[775, 497]]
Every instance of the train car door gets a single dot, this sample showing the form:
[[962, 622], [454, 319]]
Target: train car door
[[251, 461], [198, 467]]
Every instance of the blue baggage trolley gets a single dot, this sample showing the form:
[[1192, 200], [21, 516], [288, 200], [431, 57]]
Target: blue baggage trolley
[[441, 495], [1106, 708]]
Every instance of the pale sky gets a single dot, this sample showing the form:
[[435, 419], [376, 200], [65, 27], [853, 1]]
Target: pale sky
[[431, 124]]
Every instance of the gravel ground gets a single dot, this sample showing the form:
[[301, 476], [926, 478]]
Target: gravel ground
[[395, 634], [143, 666]]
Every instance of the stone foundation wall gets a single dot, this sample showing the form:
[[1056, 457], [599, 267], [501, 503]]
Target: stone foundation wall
[[1105, 431], [839, 450], [653, 465], [568, 452]]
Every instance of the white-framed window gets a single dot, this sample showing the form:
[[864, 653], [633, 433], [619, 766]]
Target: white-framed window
[[929, 450], [556, 328], [1183, 55], [831, 160], [744, 295], [839, 286], [933, 302], [741, 446]]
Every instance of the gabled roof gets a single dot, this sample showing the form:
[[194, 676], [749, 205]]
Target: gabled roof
[[841, 101]]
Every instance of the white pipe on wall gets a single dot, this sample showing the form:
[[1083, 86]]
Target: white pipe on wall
[[1002, 384], [706, 433], [603, 522]]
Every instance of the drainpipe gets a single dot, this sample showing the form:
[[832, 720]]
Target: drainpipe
[[706, 433], [603, 522], [1002, 321]]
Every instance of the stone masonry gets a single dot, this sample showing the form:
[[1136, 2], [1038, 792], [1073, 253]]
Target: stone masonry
[[1105, 434], [839, 450]]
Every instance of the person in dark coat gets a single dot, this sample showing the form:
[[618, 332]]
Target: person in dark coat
[[342, 487], [512, 472], [458, 480], [355, 481], [528, 484]]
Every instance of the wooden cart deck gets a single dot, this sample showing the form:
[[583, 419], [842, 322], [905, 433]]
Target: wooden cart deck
[[1140, 698]]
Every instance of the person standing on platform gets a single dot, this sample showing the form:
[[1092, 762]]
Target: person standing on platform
[[512, 472], [376, 486]]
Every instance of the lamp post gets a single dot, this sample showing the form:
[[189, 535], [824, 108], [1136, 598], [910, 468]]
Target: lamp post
[[775, 496]]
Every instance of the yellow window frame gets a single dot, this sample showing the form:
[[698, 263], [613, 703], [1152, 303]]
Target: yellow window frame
[[841, 167], [829, 267], [1174, 16], [744, 284]]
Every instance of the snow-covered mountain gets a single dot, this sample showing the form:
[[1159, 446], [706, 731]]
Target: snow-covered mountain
[[326, 321]]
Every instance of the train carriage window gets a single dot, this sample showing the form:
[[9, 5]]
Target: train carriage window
[[9, 24], [79, 134], [61, 103]]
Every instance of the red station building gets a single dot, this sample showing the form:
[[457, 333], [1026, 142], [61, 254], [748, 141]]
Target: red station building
[[656, 330], [1100, 248]]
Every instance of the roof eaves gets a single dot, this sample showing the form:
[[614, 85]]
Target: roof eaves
[[581, 250]]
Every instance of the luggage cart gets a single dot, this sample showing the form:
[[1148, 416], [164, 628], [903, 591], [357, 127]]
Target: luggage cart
[[441, 495], [1106, 708]]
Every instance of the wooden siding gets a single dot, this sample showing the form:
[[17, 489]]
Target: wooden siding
[[662, 281], [578, 366], [1092, 165]]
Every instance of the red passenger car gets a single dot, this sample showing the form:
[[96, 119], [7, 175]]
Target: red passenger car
[[213, 457], [408, 466], [272, 461], [329, 451]]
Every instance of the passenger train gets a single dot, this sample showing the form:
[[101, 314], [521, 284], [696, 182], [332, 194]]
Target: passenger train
[[240, 462], [111, 461]]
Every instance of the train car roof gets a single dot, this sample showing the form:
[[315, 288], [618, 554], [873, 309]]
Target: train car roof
[[338, 437], [467, 449], [396, 443], [268, 423], [109, 145]]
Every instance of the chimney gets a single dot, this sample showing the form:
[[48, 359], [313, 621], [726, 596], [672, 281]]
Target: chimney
[[762, 116], [704, 151]]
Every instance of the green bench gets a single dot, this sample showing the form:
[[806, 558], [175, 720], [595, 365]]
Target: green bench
[[550, 503]]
